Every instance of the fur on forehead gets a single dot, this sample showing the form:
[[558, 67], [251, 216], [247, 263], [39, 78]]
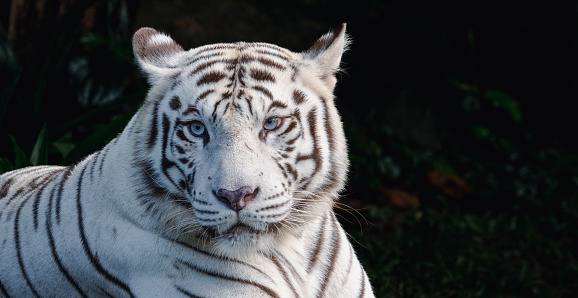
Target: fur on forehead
[[159, 55]]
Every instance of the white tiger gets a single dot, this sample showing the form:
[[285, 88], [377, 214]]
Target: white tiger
[[221, 185]]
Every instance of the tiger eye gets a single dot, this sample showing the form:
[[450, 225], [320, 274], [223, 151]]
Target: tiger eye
[[273, 123], [197, 128]]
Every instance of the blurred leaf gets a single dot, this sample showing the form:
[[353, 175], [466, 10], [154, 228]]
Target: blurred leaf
[[39, 154], [21, 160], [501, 99], [64, 145]]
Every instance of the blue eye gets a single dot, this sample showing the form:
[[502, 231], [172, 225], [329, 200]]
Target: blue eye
[[197, 128], [273, 123]]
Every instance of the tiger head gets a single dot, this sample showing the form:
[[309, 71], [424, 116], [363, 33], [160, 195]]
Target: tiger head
[[240, 144]]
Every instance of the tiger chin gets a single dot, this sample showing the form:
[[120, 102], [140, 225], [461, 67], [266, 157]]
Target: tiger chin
[[221, 185]]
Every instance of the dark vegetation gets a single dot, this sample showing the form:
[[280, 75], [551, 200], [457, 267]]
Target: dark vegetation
[[458, 114]]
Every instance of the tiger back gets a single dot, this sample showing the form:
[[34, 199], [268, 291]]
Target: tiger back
[[222, 185]]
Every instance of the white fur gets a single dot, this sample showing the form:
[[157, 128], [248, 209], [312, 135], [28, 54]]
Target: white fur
[[125, 224]]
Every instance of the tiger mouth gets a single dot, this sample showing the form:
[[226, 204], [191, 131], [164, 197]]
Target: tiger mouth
[[236, 230], [240, 228]]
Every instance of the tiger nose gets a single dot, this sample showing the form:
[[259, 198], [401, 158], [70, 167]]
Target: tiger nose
[[238, 199]]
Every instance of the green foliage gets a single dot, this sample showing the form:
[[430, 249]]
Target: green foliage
[[512, 236], [70, 95]]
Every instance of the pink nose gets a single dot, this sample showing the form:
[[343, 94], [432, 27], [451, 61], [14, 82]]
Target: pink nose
[[238, 199]]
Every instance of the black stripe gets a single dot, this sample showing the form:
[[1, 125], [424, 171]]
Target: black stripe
[[211, 77], [270, 63], [153, 130], [165, 162], [18, 250], [93, 258], [35, 206], [272, 46], [3, 290], [186, 293], [226, 259], [285, 275], [351, 256], [363, 277], [332, 172], [219, 46], [53, 245], [333, 253], [320, 241], [65, 177], [37, 198], [103, 158], [315, 155], [291, 126], [280, 56], [265, 289], [263, 90]]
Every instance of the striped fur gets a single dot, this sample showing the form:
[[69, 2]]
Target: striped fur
[[222, 185]]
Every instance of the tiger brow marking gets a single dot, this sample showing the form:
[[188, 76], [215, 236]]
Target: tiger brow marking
[[261, 75], [214, 114], [192, 109], [263, 90], [277, 104], [204, 95], [249, 99], [211, 77]]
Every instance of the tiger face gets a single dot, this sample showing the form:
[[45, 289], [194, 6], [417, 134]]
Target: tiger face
[[242, 143]]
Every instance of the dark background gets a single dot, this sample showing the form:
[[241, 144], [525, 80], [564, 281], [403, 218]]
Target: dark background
[[459, 116]]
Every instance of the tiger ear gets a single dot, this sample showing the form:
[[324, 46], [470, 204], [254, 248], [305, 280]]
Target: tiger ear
[[327, 51], [154, 52]]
